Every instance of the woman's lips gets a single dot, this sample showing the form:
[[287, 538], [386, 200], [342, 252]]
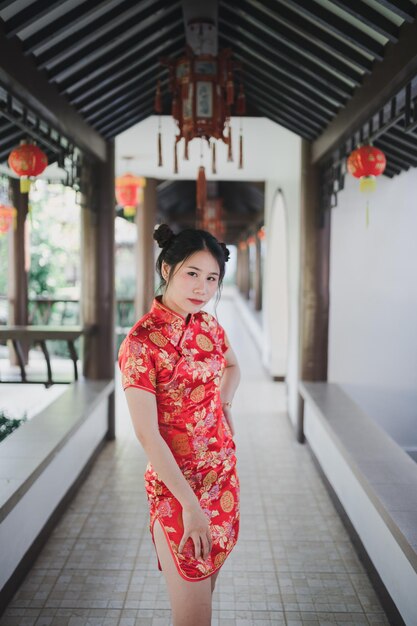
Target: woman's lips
[[196, 301]]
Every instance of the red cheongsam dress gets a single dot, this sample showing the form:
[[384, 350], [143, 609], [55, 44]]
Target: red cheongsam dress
[[182, 362]]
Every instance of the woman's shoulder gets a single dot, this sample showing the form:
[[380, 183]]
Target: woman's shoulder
[[140, 330], [208, 322], [139, 333]]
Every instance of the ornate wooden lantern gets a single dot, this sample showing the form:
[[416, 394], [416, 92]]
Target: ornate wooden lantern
[[210, 217], [203, 98], [27, 160]]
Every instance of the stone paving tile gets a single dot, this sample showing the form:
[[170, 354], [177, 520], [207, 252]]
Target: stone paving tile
[[294, 564]]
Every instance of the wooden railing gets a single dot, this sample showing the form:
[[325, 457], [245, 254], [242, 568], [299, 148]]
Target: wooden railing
[[21, 336], [65, 311]]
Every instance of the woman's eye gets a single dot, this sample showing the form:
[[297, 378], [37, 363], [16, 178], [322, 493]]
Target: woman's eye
[[212, 278], [192, 274]]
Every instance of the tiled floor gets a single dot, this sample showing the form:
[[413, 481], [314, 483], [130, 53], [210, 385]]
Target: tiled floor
[[294, 563]]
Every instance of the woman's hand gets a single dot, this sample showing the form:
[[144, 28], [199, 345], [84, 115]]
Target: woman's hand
[[228, 415], [197, 527]]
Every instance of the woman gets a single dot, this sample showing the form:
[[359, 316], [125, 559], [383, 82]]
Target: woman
[[180, 375]]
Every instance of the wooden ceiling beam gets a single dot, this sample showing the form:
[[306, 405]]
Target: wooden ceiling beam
[[370, 17], [309, 30], [30, 14], [20, 76], [245, 15], [290, 62], [123, 78], [76, 17], [306, 96], [388, 77], [339, 26], [89, 62], [403, 8]]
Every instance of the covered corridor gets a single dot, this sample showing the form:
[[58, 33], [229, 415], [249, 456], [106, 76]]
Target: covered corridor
[[294, 563]]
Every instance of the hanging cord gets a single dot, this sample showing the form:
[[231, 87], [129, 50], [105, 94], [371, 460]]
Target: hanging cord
[[240, 145], [159, 143]]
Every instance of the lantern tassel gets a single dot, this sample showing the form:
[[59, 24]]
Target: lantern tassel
[[159, 149], [24, 184], [229, 152], [240, 151], [175, 108], [230, 90], [201, 188], [367, 184], [186, 158], [176, 157], [158, 98], [241, 102], [213, 158]]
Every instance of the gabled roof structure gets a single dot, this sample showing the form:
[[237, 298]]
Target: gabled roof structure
[[304, 64]]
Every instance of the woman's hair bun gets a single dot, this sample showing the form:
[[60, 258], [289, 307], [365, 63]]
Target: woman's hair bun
[[163, 235], [225, 250]]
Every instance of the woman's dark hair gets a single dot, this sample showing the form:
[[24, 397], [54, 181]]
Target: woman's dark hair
[[177, 248]]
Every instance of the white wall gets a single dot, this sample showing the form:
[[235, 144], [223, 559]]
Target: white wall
[[271, 154], [373, 285], [280, 353]]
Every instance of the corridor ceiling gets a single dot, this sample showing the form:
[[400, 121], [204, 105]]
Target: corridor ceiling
[[303, 60]]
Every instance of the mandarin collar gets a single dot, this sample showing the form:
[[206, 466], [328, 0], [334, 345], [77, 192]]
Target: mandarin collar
[[163, 313]]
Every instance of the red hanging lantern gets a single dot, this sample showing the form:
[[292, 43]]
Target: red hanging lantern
[[261, 233], [128, 188], [27, 160], [7, 218], [366, 162]]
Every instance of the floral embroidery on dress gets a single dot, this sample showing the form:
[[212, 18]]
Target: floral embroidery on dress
[[182, 362]]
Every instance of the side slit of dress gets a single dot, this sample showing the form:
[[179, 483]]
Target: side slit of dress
[[181, 573]]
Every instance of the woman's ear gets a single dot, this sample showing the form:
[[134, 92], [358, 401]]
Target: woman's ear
[[165, 270]]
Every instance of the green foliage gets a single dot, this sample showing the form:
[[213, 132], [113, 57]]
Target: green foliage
[[4, 250], [54, 241], [8, 424]]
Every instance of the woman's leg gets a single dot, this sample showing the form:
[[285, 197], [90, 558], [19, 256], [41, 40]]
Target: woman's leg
[[213, 580], [190, 601]]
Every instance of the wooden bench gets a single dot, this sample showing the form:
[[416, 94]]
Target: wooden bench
[[373, 483], [27, 335], [44, 462]]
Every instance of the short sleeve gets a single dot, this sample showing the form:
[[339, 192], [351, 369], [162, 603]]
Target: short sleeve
[[223, 340], [137, 364]]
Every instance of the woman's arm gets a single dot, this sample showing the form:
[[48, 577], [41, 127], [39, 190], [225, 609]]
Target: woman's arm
[[229, 384], [144, 414]]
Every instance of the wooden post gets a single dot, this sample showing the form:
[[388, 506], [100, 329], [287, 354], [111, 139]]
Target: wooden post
[[98, 298], [245, 273], [314, 280], [239, 270], [145, 263], [258, 276], [18, 265]]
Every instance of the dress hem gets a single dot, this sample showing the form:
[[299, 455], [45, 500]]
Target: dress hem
[[181, 573]]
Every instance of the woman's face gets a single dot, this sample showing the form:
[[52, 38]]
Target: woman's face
[[193, 283]]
